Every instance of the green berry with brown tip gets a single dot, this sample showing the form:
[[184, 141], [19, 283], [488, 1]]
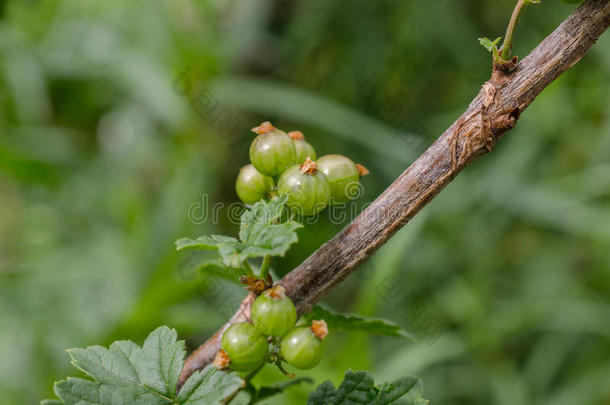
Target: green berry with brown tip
[[303, 347], [246, 347], [303, 149], [252, 186], [343, 175], [273, 313], [272, 151], [307, 189]]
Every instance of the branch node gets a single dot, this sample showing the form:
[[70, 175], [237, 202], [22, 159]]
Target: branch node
[[502, 69]]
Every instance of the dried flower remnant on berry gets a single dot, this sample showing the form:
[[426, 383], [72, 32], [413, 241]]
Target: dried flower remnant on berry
[[362, 170], [296, 135], [309, 167], [277, 292], [263, 128], [320, 329], [221, 361]]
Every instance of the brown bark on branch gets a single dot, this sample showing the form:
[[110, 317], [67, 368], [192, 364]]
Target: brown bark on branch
[[494, 111]]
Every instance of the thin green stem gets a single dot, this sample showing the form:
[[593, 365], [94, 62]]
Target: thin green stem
[[248, 269], [283, 370], [265, 267], [507, 46]]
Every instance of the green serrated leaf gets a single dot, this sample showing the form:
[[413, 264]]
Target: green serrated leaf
[[488, 44], [126, 374], [202, 242], [77, 391], [349, 322], [359, 388], [260, 215], [322, 395], [230, 253], [155, 366], [217, 268], [408, 389], [209, 386], [261, 234]]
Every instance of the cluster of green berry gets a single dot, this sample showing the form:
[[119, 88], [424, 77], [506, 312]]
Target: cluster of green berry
[[272, 336], [310, 184]]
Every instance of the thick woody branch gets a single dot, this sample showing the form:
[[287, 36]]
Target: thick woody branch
[[494, 111]]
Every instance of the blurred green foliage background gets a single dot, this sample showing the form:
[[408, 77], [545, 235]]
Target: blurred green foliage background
[[120, 121]]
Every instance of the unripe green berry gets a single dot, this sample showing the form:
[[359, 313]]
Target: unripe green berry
[[303, 347], [303, 149], [343, 176], [252, 186], [272, 151], [307, 189], [246, 347], [273, 313]]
